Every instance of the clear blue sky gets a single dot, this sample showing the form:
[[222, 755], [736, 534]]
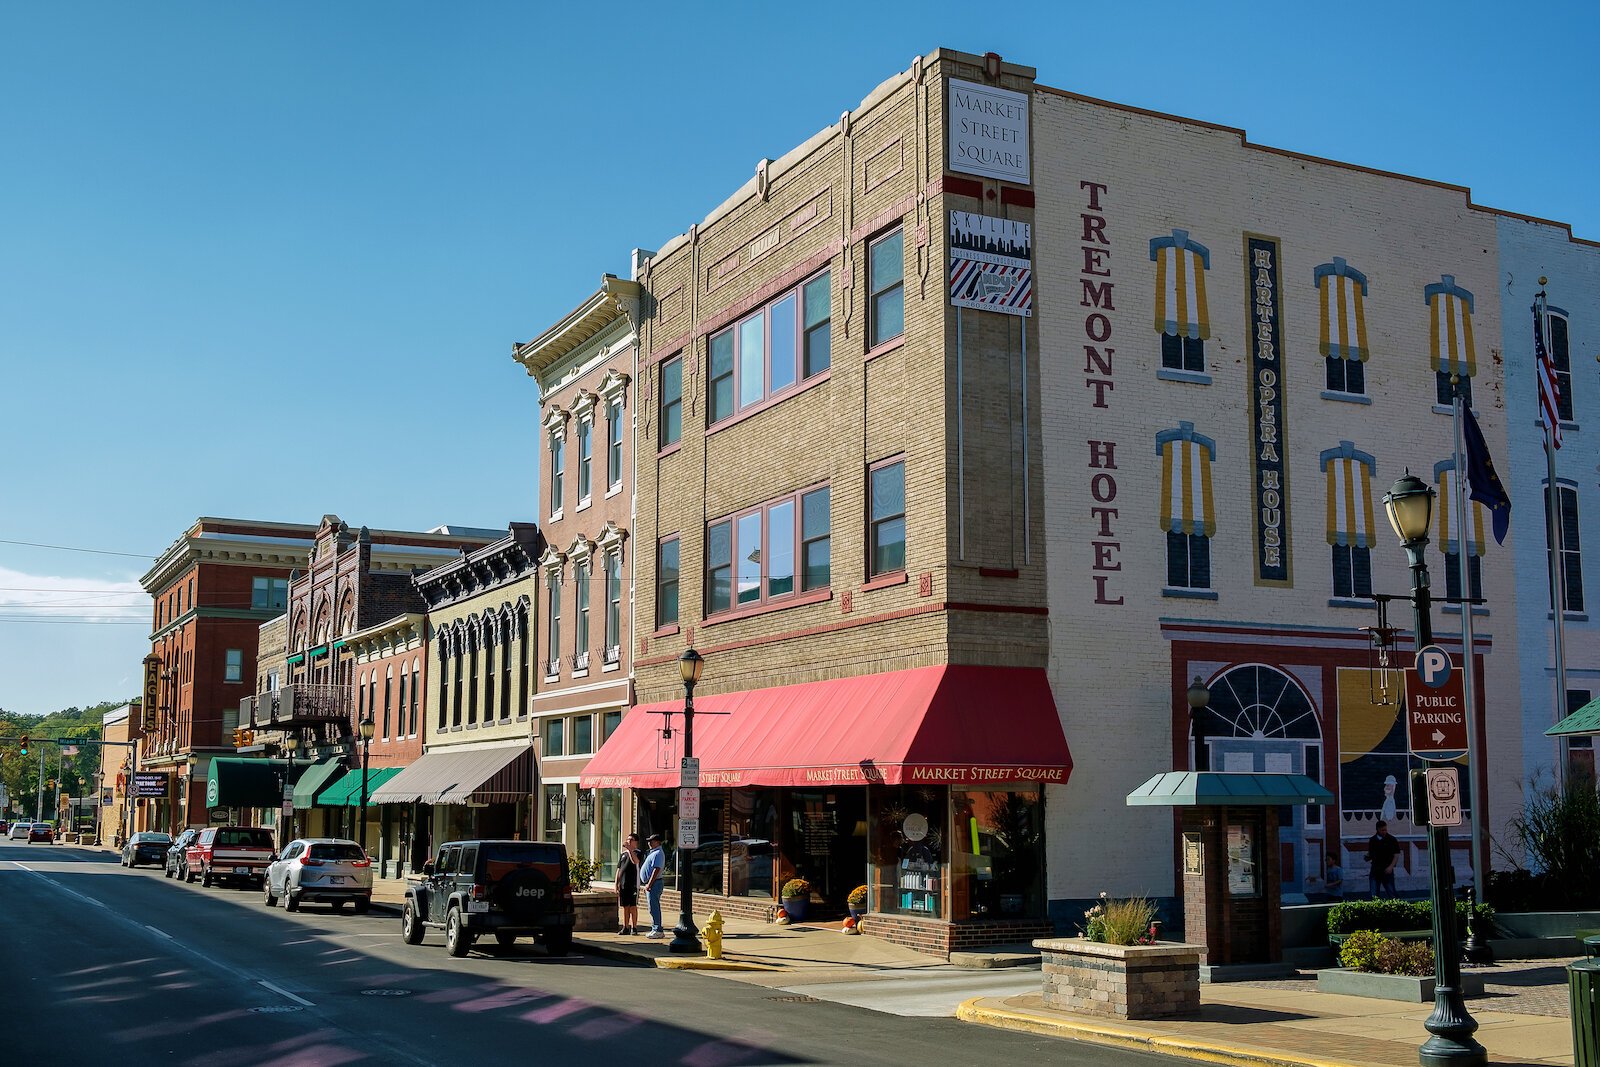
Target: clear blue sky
[[268, 260]]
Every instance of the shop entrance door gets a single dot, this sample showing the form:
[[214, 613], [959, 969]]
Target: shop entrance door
[[828, 842]]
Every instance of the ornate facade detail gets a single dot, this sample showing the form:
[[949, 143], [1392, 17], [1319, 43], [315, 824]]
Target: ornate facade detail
[[611, 538], [614, 386], [580, 551], [583, 404], [553, 562], [555, 421]]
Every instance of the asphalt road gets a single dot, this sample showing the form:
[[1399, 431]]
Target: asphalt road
[[101, 965]]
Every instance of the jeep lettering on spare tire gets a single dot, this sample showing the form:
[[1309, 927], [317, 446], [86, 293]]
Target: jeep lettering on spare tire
[[523, 894]]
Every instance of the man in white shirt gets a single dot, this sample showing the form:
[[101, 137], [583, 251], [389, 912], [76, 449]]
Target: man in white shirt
[[651, 880]]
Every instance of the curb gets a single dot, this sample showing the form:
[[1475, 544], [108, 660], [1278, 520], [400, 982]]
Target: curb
[[610, 952], [665, 963], [973, 1011]]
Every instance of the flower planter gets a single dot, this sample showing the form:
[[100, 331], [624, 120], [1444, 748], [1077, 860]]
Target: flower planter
[[1402, 987], [1121, 981], [795, 908]]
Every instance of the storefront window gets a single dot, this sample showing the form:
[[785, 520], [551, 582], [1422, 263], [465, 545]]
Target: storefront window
[[752, 828], [553, 809], [706, 860], [609, 804], [996, 854], [907, 849]]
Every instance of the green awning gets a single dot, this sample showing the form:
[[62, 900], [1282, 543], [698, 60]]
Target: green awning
[[346, 792], [314, 780], [296, 658], [239, 782], [1189, 789], [1586, 720]]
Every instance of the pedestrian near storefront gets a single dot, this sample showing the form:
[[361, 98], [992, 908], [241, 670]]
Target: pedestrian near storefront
[[628, 885], [652, 881], [1383, 854]]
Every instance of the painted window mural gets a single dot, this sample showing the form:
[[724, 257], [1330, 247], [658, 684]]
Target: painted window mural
[[1444, 474], [1342, 328], [1350, 525], [1450, 337], [1187, 513], [1181, 317]]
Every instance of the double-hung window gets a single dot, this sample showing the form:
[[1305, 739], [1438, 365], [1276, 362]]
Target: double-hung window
[[614, 443], [553, 656], [1571, 552], [667, 582], [767, 351], [233, 665], [580, 580], [886, 276], [1561, 360], [585, 456], [558, 461], [887, 541], [613, 645], [1188, 560], [269, 594], [751, 559], [671, 401], [1352, 572]]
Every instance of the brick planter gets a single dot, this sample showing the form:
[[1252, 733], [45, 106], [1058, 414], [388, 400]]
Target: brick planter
[[1121, 981], [597, 910]]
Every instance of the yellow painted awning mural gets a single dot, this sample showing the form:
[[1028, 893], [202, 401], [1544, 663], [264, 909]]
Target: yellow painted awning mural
[[1181, 266], [1445, 474], [1341, 297], [1186, 459], [1349, 474], [1450, 327]]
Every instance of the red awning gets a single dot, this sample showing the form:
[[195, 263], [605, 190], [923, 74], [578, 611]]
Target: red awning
[[948, 725]]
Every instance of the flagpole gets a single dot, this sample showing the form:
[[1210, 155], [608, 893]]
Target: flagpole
[[1477, 948], [1558, 576]]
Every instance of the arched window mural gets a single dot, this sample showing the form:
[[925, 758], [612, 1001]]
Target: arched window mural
[[1263, 721]]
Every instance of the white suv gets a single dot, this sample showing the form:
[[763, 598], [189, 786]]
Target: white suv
[[320, 869]]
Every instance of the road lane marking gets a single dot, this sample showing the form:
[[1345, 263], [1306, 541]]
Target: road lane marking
[[285, 993]]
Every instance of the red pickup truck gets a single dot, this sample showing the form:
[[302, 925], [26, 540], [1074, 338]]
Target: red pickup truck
[[235, 853]]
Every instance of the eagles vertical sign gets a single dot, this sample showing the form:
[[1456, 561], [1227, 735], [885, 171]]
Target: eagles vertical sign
[[1270, 471], [152, 691]]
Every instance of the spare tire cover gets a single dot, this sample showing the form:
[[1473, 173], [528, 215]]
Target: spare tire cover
[[525, 893]]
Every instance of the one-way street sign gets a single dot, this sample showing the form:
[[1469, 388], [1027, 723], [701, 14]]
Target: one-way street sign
[[1436, 707]]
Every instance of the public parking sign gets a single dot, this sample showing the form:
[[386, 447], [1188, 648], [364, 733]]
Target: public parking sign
[[1436, 707]]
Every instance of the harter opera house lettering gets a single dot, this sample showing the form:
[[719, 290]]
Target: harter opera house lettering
[[1269, 469]]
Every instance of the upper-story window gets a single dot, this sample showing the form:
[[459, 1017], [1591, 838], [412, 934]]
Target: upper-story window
[[614, 443], [400, 729], [558, 463], [613, 645], [750, 558], [580, 584], [1450, 540], [1350, 528], [760, 355], [1342, 326], [585, 457], [1187, 512], [886, 272], [1450, 339], [671, 401], [887, 540], [388, 698], [667, 582], [553, 667], [1561, 362], [1182, 316], [1571, 550], [233, 665], [269, 594]]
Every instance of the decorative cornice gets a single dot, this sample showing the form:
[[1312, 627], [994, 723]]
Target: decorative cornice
[[584, 403], [614, 386], [555, 421], [553, 562], [615, 299], [611, 538], [580, 550]]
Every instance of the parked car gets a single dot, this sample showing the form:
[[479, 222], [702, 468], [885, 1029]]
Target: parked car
[[42, 831], [239, 854], [5, 827], [510, 889], [329, 869], [146, 846], [19, 832], [176, 865]]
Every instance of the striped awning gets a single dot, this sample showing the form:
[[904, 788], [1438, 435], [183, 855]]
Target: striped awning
[[501, 774], [1181, 266], [1341, 295], [1349, 495], [1186, 459], [1450, 327], [1445, 474]]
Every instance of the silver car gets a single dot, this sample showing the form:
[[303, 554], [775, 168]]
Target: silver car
[[327, 869], [19, 832]]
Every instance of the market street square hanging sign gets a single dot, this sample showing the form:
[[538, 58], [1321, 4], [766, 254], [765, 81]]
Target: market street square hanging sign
[[1268, 466], [991, 264], [988, 131]]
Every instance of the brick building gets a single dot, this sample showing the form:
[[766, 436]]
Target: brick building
[[212, 589], [584, 367]]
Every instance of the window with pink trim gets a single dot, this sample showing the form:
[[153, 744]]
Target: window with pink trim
[[751, 558]]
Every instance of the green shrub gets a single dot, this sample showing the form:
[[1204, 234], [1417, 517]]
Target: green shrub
[[1392, 914], [581, 873], [1360, 950], [1559, 830], [796, 887], [1405, 957]]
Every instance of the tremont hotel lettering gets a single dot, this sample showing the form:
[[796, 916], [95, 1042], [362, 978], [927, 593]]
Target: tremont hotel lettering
[[1095, 279]]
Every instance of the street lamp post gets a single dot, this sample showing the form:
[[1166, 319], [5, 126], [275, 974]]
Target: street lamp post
[[1410, 506], [290, 744], [684, 938], [366, 727], [1199, 699]]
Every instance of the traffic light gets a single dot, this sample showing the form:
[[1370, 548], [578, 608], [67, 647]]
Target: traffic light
[[238, 737], [24, 744]]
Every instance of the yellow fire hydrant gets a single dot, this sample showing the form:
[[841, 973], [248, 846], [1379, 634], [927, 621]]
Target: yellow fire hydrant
[[712, 933]]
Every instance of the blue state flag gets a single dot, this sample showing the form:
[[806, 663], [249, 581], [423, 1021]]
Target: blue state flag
[[1485, 483]]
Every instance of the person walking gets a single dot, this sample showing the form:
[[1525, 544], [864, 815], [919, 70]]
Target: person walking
[[1333, 879], [1383, 854], [652, 880], [628, 885]]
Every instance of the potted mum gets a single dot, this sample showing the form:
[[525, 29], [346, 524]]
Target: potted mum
[[796, 895], [857, 902]]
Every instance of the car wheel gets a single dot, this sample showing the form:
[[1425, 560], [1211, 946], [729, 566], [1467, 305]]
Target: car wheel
[[188, 874], [457, 941], [267, 896], [363, 905], [166, 870], [410, 929], [205, 876], [291, 900], [337, 905], [558, 942], [122, 861]]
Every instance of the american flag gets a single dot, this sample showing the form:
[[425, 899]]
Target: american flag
[[1549, 388]]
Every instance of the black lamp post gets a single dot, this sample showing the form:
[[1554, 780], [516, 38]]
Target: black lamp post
[[684, 937], [366, 727], [1409, 504], [1199, 700]]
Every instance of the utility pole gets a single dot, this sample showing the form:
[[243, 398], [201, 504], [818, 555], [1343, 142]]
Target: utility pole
[[38, 803]]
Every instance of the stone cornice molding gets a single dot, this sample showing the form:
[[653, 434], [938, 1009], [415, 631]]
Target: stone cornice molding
[[611, 538], [555, 421], [614, 386], [553, 562], [583, 404], [580, 550]]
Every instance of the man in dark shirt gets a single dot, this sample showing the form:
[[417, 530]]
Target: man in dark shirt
[[1383, 853]]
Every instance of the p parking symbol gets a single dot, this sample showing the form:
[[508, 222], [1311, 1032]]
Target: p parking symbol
[[1434, 666]]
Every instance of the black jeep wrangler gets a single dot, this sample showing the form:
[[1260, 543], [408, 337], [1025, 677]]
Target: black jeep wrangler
[[510, 889]]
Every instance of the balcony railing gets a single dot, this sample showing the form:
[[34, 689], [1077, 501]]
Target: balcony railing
[[298, 704]]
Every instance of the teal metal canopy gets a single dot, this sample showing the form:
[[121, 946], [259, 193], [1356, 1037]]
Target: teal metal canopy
[[314, 780], [236, 782], [1192, 789], [1586, 720]]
